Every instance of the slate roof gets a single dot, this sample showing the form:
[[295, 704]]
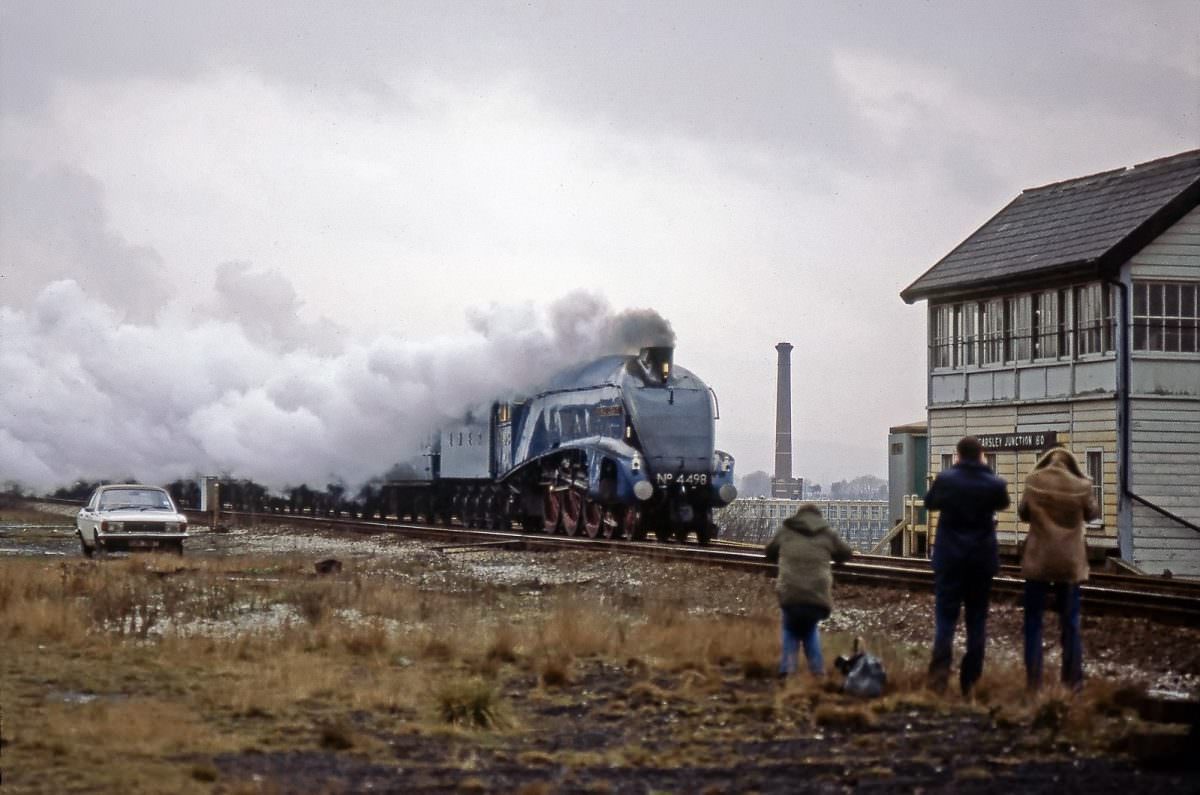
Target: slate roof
[[1084, 226]]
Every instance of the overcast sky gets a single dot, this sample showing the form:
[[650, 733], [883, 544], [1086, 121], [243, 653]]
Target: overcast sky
[[264, 237]]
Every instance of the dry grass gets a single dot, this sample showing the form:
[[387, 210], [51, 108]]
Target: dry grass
[[190, 659], [368, 639], [554, 670], [503, 646], [472, 703], [149, 726]]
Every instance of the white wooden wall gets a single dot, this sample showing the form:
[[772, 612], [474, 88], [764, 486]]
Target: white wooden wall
[[1165, 448], [1165, 428], [1175, 254]]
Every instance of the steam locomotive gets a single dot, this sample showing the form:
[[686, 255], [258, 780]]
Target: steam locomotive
[[620, 447]]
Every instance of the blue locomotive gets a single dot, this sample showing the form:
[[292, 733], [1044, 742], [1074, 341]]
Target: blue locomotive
[[620, 447]]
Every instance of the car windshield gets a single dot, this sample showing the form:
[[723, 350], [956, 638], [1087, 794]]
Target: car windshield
[[141, 499]]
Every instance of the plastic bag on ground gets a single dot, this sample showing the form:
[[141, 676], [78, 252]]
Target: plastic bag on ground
[[864, 673]]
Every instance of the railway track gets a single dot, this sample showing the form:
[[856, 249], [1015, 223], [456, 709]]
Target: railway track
[[1144, 582], [1163, 600], [1155, 598]]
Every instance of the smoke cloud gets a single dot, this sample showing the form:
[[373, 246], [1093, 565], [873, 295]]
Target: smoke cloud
[[248, 389], [634, 329], [113, 368]]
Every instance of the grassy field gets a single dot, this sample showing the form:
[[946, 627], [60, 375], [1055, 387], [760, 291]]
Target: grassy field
[[157, 673]]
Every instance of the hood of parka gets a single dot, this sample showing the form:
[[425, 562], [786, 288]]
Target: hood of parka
[[1058, 472], [807, 520]]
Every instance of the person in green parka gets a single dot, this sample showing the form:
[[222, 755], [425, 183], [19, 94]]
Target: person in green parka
[[804, 547]]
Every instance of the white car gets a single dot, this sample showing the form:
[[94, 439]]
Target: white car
[[130, 516]]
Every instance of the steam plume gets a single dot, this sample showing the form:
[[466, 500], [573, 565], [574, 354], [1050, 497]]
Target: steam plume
[[249, 390]]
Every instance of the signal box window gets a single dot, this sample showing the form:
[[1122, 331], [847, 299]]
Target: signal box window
[[943, 336], [1093, 319], [1166, 317]]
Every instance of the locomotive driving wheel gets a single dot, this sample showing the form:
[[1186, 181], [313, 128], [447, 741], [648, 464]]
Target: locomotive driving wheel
[[551, 510], [572, 510], [592, 519]]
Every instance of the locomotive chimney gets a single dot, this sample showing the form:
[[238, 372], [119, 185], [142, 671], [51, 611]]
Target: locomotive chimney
[[783, 414], [657, 361]]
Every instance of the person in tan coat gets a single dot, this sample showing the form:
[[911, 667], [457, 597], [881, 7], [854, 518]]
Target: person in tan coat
[[1056, 503]]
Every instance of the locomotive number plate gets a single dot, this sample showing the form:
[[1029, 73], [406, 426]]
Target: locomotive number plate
[[695, 479]]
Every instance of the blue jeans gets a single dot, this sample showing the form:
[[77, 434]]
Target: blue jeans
[[800, 626], [1066, 600], [956, 587]]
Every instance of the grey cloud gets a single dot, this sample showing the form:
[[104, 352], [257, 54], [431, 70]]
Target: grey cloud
[[739, 75]]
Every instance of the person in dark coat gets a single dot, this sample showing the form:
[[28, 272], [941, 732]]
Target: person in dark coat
[[965, 558], [1057, 502], [803, 547]]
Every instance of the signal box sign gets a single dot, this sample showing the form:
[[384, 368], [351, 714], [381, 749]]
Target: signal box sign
[[1007, 442]]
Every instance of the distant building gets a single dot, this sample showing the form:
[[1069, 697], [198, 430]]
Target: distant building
[[787, 488], [862, 523], [908, 479], [1072, 317]]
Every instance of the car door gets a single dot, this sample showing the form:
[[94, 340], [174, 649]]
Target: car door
[[86, 519]]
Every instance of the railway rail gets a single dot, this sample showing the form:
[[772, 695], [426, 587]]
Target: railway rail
[[1163, 600], [1142, 582]]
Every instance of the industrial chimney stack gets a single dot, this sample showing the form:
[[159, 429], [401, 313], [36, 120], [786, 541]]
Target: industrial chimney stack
[[783, 415], [783, 485]]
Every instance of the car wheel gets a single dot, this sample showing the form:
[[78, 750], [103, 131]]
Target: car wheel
[[176, 547], [87, 551]]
